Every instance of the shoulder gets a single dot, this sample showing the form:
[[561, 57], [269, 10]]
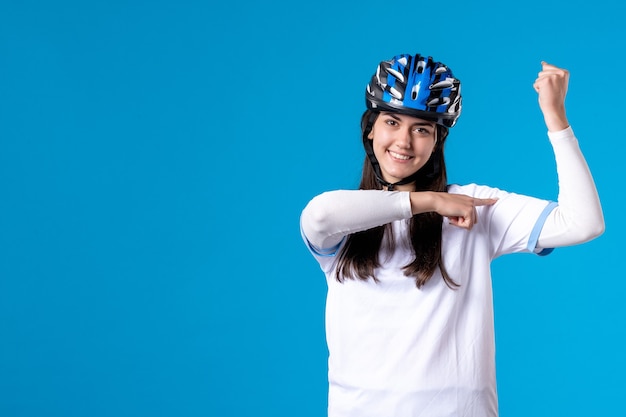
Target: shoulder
[[506, 199]]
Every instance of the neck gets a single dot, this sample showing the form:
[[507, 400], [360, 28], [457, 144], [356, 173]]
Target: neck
[[404, 187]]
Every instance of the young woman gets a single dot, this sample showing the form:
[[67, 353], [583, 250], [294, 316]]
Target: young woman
[[409, 313]]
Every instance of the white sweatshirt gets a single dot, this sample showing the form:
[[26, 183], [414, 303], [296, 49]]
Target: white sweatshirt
[[395, 350]]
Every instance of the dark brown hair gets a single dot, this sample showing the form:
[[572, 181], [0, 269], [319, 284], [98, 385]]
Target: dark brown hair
[[360, 254]]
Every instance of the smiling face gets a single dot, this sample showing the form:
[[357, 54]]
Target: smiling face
[[402, 145]]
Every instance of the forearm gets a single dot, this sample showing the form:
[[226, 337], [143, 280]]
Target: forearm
[[578, 217], [334, 214]]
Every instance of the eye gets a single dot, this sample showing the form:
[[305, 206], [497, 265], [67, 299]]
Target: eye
[[422, 130], [391, 122]]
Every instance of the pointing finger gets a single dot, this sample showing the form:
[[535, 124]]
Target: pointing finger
[[484, 201]]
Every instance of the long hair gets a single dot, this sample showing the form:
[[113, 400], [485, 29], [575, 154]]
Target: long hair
[[360, 254]]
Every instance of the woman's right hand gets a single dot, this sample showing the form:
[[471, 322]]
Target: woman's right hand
[[458, 208]]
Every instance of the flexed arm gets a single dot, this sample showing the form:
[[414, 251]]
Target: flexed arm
[[578, 217]]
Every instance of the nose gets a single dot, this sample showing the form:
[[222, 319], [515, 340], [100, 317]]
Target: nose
[[403, 139]]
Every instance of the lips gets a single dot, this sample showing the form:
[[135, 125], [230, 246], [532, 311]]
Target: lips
[[399, 156]]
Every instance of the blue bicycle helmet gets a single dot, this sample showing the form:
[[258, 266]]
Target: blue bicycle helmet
[[416, 86]]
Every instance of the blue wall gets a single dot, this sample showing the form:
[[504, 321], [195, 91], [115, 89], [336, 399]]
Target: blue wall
[[155, 157]]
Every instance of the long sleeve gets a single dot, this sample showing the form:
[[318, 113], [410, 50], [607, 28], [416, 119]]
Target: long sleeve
[[332, 215], [578, 216]]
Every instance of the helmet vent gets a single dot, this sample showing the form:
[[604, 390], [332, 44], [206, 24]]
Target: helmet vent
[[439, 101], [420, 66], [395, 93], [396, 74], [415, 91], [447, 83]]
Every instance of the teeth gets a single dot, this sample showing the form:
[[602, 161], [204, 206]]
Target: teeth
[[398, 156]]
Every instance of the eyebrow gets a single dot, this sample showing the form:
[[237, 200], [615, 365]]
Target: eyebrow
[[422, 123]]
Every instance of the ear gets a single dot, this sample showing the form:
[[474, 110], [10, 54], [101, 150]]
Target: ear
[[370, 135]]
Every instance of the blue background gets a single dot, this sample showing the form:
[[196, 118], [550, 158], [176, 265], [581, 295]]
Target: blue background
[[155, 157]]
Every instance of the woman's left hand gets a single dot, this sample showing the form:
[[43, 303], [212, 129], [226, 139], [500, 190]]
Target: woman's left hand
[[551, 85]]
